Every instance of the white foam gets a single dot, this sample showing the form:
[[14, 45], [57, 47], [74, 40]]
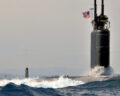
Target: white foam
[[61, 82], [101, 71]]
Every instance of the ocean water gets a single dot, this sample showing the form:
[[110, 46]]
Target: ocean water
[[66, 88], [60, 87]]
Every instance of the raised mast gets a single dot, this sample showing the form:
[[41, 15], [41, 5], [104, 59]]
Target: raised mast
[[95, 9], [95, 14], [102, 7]]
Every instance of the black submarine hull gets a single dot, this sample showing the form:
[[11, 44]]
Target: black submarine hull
[[100, 47]]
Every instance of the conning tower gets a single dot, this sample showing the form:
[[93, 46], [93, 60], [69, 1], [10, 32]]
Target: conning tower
[[100, 38]]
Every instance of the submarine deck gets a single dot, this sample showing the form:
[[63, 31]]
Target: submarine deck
[[85, 79]]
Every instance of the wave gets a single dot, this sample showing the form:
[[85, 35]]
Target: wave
[[96, 88], [61, 82]]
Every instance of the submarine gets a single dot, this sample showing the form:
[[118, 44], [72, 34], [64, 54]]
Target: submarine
[[100, 50], [100, 39]]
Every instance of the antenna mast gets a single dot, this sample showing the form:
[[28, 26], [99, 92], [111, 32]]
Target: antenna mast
[[95, 14], [95, 9], [102, 7]]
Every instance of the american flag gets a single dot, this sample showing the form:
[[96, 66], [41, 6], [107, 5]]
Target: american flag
[[86, 14]]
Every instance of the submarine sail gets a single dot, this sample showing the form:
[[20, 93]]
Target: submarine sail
[[100, 39]]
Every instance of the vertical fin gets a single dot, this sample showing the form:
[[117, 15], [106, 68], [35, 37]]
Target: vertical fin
[[27, 73]]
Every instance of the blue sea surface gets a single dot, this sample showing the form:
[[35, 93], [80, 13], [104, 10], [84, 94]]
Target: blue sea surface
[[97, 88]]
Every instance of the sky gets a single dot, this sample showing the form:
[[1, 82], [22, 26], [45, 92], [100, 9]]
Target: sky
[[51, 37]]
